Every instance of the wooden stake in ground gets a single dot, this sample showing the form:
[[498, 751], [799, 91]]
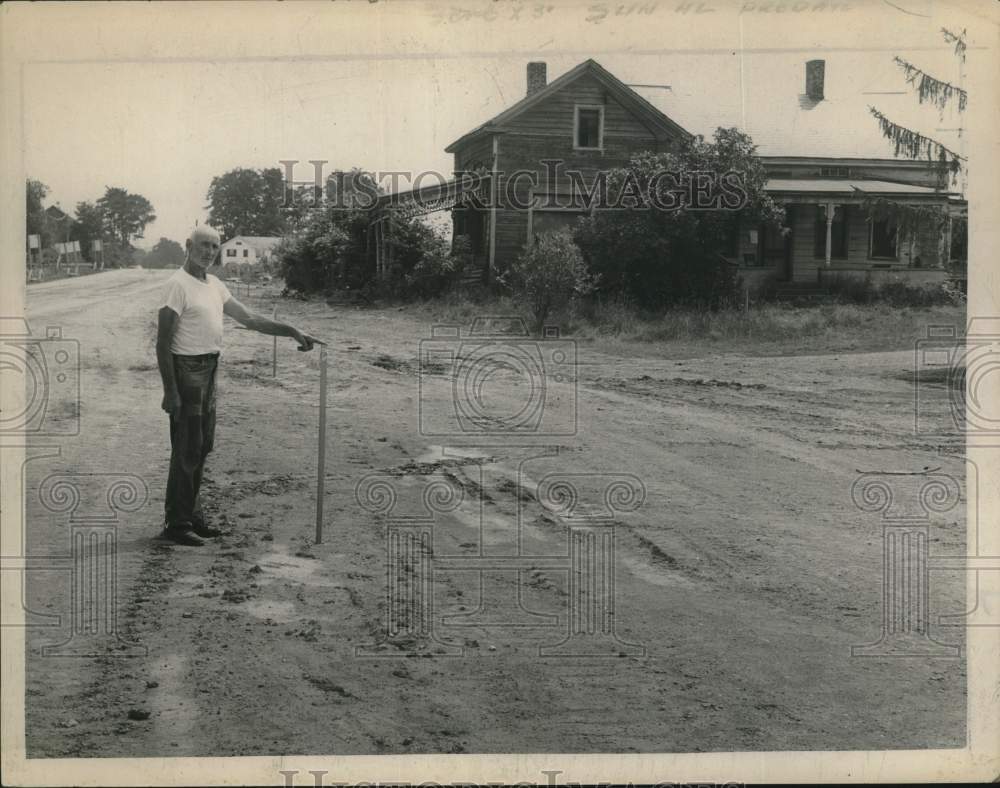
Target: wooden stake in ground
[[274, 347], [321, 462]]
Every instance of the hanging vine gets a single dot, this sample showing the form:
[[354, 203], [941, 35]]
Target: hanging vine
[[931, 89], [915, 145], [957, 39], [906, 218]]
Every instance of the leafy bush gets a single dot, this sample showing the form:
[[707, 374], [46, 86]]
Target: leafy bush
[[856, 290], [549, 275], [851, 289], [903, 294], [424, 265], [660, 257], [326, 252], [329, 251]]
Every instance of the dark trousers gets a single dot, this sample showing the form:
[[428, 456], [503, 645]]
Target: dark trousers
[[192, 435]]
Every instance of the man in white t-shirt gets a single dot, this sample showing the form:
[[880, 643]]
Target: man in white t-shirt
[[188, 343]]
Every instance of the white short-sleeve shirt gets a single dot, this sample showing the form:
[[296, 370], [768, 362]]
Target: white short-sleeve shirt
[[198, 305]]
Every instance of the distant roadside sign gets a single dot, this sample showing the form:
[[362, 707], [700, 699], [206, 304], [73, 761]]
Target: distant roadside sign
[[34, 242], [97, 246]]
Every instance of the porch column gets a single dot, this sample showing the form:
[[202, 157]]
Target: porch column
[[831, 210], [944, 256]]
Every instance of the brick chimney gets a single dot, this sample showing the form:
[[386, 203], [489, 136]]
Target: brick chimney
[[536, 77], [815, 72]]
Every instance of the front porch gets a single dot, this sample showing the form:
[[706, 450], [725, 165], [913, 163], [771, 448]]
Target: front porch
[[832, 230]]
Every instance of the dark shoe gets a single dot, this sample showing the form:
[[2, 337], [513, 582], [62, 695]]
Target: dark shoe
[[204, 530], [183, 534]]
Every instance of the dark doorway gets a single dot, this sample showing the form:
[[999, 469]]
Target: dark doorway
[[775, 248], [472, 223]]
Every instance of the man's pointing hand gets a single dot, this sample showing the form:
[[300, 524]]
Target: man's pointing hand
[[306, 341]]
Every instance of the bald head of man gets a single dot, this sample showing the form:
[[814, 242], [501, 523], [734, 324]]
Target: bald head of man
[[202, 248]]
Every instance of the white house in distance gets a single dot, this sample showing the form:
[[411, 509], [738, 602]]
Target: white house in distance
[[252, 249]]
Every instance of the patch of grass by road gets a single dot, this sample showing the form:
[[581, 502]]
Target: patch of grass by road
[[766, 329]]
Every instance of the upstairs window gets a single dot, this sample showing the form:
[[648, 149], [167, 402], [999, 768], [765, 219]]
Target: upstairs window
[[589, 128], [835, 172], [246, 252], [230, 253]]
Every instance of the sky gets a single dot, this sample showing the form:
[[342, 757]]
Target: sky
[[335, 87]]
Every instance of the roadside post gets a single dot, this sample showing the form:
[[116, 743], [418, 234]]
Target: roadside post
[[321, 460], [274, 347]]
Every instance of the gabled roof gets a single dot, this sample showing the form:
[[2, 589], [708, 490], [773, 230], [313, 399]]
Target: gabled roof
[[663, 127]]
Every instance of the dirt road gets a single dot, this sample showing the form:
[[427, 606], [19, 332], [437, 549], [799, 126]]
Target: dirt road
[[740, 584]]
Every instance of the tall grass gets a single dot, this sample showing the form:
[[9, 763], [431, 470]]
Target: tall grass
[[773, 327], [854, 290], [766, 328]]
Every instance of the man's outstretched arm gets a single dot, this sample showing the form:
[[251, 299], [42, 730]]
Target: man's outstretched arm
[[265, 325], [166, 325]]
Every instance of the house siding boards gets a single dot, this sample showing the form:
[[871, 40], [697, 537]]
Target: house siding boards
[[523, 151], [475, 154], [555, 115]]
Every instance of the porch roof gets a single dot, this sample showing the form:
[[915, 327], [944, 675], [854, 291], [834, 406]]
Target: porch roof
[[853, 187]]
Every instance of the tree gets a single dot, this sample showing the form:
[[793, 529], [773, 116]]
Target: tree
[[37, 223], [164, 254], [548, 275], [89, 226], [326, 246], [661, 247], [248, 202], [321, 255], [125, 215]]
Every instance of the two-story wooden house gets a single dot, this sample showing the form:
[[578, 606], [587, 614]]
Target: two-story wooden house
[[587, 119], [590, 120]]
